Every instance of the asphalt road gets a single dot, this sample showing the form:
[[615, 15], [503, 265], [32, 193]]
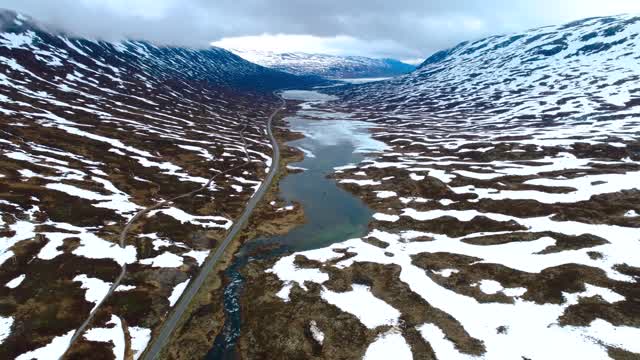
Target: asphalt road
[[154, 349]]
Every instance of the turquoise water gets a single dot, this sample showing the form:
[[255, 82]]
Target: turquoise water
[[333, 215]]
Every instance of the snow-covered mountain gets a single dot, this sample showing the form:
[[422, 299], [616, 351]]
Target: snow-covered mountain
[[327, 65], [214, 65], [585, 67]]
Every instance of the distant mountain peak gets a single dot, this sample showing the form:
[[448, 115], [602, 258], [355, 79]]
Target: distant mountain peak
[[331, 66]]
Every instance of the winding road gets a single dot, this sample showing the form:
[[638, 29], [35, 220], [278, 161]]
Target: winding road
[[168, 326]]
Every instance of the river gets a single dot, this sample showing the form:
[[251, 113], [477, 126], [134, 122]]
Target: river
[[333, 215]]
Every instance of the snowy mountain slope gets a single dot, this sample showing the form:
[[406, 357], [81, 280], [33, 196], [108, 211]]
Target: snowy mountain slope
[[215, 65], [327, 65], [93, 132], [586, 67], [506, 210]]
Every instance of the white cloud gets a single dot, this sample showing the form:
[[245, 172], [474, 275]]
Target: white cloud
[[149, 9], [405, 29]]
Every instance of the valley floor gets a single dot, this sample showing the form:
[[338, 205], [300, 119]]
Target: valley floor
[[486, 241]]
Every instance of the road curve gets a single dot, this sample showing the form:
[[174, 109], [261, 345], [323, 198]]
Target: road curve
[[168, 326]]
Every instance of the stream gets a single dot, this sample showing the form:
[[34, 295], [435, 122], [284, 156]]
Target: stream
[[332, 214]]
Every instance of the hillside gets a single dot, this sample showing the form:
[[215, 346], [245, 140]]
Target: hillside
[[327, 65], [92, 133], [586, 67]]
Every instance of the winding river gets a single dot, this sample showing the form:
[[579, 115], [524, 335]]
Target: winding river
[[332, 214]]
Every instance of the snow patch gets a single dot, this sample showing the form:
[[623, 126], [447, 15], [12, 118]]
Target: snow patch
[[177, 292], [164, 260], [54, 350], [113, 334], [140, 338], [96, 288], [316, 333], [376, 313], [386, 217], [390, 345], [15, 282]]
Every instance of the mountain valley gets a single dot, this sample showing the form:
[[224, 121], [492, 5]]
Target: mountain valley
[[484, 205]]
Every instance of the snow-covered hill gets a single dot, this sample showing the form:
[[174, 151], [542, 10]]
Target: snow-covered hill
[[327, 65]]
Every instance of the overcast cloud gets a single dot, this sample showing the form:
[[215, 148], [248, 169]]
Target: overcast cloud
[[405, 29]]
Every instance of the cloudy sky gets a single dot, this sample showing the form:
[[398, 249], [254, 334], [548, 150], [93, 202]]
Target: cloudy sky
[[403, 29]]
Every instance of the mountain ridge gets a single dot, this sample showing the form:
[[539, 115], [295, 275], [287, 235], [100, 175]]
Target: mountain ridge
[[513, 37]]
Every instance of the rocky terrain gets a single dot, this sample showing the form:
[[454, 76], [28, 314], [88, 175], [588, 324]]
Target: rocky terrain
[[329, 66], [507, 211], [91, 134]]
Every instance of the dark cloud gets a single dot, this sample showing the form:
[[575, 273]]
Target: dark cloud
[[415, 27]]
